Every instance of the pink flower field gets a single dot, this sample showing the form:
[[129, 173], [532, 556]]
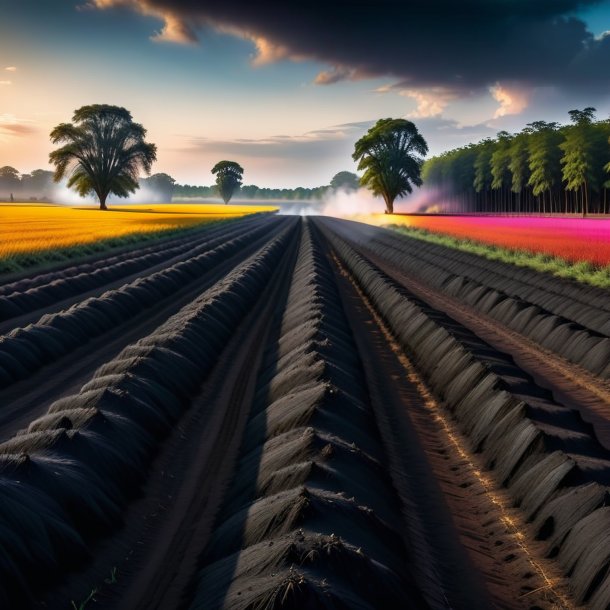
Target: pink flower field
[[573, 239]]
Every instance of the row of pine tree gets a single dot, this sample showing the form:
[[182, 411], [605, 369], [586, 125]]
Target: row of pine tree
[[545, 169]]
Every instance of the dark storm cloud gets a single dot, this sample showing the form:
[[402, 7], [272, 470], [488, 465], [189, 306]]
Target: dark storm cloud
[[472, 43]]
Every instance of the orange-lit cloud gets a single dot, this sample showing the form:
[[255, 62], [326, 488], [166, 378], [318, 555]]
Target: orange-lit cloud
[[5, 82], [430, 102], [384, 89], [10, 125], [512, 100], [11, 69], [329, 77], [179, 30], [266, 51], [175, 28]]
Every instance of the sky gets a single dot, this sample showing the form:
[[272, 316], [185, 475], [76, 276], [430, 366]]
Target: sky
[[285, 89]]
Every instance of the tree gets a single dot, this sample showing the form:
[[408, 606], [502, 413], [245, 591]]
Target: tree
[[162, 185], [391, 156], [482, 170], [606, 182], [228, 178], [103, 152], [9, 180], [249, 191], [499, 166], [37, 184], [583, 154], [345, 180], [518, 165], [544, 155]]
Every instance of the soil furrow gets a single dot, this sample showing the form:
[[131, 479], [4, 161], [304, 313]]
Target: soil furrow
[[570, 384], [156, 555], [546, 455], [24, 400], [286, 415], [71, 292], [463, 518], [106, 435]]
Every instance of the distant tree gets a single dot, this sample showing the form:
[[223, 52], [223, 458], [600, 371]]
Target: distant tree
[[544, 155], [9, 180], [482, 168], [391, 156], [518, 165], [583, 154], [345, 180], [583, 117], [103, 152], [606, 183], [228, 178], [163, 186], [499, 165], [37, 184], [249, 191]]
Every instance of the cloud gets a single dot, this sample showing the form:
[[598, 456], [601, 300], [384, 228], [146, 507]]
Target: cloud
[[5, 83], [176, 27], [512, 100], [267, 52], [10, 125], [175, 30], [11, 69], [329, 77], [322, 146], [422, 42], [315, 145], [430, 102], [444, 134]]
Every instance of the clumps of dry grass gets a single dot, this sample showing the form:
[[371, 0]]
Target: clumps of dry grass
[[547, 456], [293, 572], [25, 350], [311, 519], [65, 480]]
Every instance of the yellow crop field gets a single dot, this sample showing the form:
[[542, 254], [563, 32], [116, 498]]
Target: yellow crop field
[[32, 228]]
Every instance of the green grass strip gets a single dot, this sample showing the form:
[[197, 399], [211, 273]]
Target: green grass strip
[[582, 271]]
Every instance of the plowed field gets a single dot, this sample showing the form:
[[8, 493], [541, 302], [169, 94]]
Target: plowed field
[[300, 413]]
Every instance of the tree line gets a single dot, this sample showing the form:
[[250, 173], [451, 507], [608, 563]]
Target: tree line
[[547, 168], [344, 180], [161, 188], [103, 151], [35, 185], [252, 191], [40, 186]]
